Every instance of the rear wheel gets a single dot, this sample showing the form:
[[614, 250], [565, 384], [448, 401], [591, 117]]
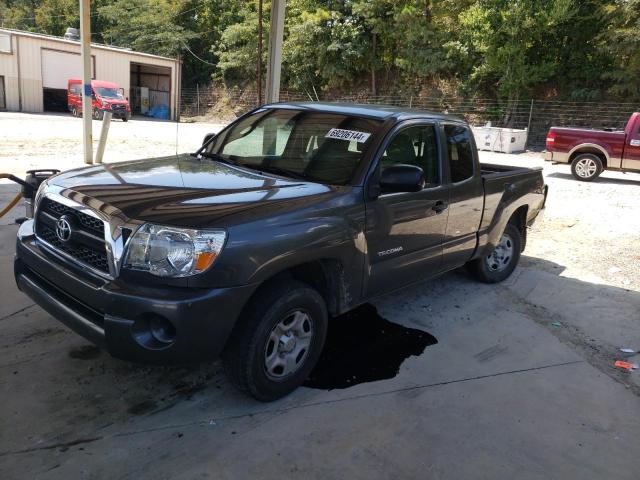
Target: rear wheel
[[502, 261], [586, 167], [278, 341], [74, 111]]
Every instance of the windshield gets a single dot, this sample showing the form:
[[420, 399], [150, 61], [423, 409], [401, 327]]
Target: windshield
[[319, 147], [105, 92]]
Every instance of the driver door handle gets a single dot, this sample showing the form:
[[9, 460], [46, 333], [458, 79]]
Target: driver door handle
[[440, 206]]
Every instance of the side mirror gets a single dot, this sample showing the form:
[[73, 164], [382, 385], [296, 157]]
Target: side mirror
[[208, 137], [402, 178]]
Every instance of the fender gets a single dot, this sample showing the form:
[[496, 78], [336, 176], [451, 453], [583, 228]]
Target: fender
[[603, 148], [339, 240], [513, 197]]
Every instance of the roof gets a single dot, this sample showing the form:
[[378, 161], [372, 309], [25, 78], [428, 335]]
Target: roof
[[379, 112], [98, 46], [97, 83]]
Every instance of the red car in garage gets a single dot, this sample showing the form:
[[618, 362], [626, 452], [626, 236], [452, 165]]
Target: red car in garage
[[106, 97]]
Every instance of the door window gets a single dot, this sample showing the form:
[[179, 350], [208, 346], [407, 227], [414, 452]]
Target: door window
[[415, 146], [460, 152]]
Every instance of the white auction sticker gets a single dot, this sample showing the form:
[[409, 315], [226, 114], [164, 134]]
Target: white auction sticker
[[349, 135]]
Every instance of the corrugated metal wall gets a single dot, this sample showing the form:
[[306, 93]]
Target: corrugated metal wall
[[110, 65]]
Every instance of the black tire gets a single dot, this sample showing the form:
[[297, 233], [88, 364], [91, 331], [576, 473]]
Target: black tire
[[488, 269], [244, 357], [586, 167], [74, 111], [125, 119], [98, 114]]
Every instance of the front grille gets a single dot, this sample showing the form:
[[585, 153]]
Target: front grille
[[58, 210], [87, 242]]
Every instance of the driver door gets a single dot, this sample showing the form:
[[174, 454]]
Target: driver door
[[405, 230]]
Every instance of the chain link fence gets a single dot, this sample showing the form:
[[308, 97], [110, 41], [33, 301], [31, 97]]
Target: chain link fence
[[535, 115]]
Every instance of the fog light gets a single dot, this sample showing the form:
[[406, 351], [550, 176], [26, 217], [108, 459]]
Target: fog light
[[162, 330], [154, 332]]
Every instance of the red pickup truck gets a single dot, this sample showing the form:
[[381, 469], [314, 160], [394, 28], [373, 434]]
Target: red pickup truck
[[590, 152]]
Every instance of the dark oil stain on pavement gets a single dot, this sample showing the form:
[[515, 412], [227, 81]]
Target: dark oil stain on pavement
[[143, 407], [362, 347], [86, 352]]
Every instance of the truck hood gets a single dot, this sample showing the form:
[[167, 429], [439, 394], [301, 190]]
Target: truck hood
[[185, 191]]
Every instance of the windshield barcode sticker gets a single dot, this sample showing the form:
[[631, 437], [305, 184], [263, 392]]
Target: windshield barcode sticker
[[349, 135]]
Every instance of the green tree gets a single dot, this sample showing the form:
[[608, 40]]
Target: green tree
[[236, 49], [621, 42], [510, 47], [147, 25]]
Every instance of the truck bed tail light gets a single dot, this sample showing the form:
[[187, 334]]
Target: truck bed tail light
[[551, 138]]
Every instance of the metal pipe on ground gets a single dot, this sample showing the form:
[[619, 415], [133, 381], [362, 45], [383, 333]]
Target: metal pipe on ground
[[104, 132]]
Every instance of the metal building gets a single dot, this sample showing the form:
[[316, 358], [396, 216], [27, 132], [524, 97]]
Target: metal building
[[35, 68]]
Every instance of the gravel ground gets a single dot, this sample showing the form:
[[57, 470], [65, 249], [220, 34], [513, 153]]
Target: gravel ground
[[589, 228], [54, 141]]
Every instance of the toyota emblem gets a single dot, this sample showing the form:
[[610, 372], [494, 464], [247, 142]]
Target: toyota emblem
[[63, 229]]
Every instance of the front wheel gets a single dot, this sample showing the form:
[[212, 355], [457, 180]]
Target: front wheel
[[502, 261], [586, 167], [278, 340]]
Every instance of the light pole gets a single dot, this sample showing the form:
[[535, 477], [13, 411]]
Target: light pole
[[276, 35], [87, 111]]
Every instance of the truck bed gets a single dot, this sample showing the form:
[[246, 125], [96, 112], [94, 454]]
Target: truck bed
[[503, 184]]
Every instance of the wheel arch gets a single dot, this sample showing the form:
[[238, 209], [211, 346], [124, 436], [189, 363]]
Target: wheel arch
[[519, 219], [592, 148], [326, 275]]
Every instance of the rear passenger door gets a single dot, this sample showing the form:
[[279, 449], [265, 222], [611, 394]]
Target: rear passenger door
[[466, 195], [405, 230]]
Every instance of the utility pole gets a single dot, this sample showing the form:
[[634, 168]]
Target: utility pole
[[259, 65], [276, 35], [85, 39]]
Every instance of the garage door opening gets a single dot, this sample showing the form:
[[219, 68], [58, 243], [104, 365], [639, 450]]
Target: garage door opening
[[151, 91], [57, 68], [55, 99]]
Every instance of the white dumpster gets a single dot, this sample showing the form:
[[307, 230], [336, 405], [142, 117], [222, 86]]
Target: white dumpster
[[495, 139]]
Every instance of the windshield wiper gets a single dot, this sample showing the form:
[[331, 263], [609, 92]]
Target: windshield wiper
[[214, 156], [279, 171]]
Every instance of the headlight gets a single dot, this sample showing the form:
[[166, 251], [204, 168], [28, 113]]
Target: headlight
[[173, 252]]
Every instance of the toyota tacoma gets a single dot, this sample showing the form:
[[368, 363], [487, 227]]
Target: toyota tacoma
[[292, 214]]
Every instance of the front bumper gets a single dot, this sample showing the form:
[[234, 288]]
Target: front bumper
[[114, 315], [119, 114]]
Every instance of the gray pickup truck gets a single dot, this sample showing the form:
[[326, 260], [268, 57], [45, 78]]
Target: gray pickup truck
[[291, 214]]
